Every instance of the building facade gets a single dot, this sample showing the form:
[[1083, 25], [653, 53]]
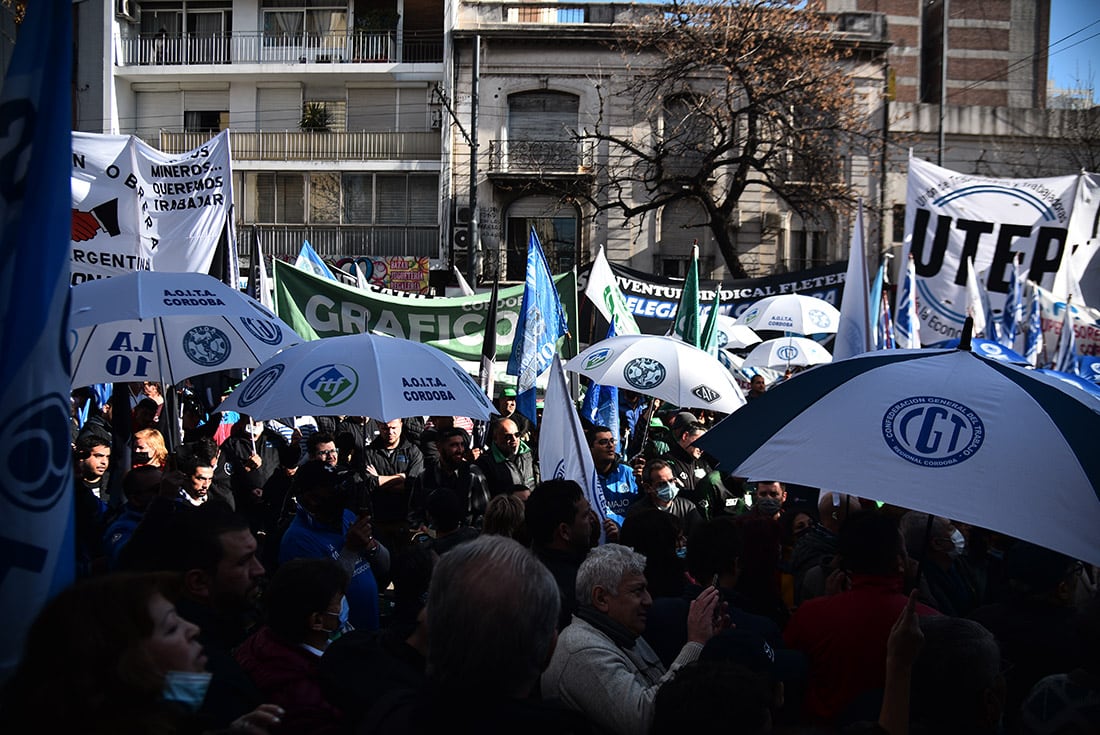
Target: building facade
[[334, 133]]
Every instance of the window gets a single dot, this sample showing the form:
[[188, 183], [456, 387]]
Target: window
[[556, 227], [395, 199], [809, 249], [205, 121], [540, 131], [686, 134], [280, 198]]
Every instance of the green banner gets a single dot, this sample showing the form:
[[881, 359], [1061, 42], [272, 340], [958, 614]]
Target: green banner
[[317, 307]]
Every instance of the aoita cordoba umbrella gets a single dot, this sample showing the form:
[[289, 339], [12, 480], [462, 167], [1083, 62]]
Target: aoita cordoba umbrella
[[384, 378], [166, 327], [947, 432], [662, 367], [791, 313], [783, 352]]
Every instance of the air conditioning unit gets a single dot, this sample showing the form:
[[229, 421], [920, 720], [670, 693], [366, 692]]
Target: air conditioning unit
[[777, 220], [437, 118], [128, 10]]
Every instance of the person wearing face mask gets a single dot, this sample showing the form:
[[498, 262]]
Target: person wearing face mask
[[768, 499], [324, 528], [305, 608], [112, 655], [663, 493], [946, 581]]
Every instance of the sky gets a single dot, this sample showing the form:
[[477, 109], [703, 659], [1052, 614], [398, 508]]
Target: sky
[[1075, 44]]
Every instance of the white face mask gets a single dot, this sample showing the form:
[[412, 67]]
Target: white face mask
[[959, 542]]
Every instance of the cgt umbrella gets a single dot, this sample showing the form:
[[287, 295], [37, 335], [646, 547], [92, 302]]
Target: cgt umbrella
[[946, 432], [784, 352], [734, 336], [986, 348], [385, 378], [662, 367], [792, 313], [166, 327]]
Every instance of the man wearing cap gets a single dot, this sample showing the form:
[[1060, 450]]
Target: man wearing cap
[[509, 461], [506, 404], [453, 473], [689, 466]]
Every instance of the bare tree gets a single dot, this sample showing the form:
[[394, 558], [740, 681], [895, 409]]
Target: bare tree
[[727, 96]]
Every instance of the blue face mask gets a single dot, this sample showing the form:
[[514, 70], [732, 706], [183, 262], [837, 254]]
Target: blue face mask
[[682, 552], [188, 688], [342, 619], [667, 491]]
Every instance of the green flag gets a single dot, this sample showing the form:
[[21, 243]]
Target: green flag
[[317, 307], [709, 339], [686, 325]]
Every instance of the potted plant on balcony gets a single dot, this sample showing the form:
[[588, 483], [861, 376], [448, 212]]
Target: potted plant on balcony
[[374, 23], [315, 118]]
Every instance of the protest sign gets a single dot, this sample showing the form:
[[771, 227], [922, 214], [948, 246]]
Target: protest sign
[[137, 208], [316, 307], [652, 299], [950, 217]]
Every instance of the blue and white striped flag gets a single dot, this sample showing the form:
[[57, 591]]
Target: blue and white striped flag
[[1013, 315], [309, 261], [1033, 345], [907, 324], [875, 302], [541, 324], [37, 555], [1066, 359]]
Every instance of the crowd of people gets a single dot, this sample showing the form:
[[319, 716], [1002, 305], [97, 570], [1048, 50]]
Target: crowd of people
[[337, 574]]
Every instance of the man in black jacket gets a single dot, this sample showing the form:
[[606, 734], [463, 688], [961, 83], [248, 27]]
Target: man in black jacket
[[390, 463]]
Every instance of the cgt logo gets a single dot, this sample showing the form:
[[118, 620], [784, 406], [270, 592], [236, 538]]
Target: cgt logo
[[932, 432]]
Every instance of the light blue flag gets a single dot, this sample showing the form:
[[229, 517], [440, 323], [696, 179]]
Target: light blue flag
[[1033, 345], [853, 335], [37, 556], [1066, 359], [541, 324], [601, 403], [875, 302], [907, 324], [1013, 315], [309, 261]]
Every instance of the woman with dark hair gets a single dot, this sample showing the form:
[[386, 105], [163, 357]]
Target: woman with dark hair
[[111, 655]]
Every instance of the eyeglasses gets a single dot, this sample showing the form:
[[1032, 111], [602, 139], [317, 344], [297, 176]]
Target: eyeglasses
[[605, 442], [327, 452]]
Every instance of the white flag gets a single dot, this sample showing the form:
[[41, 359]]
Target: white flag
[[853, 336], [603, 291], [563, 449], [975, 308]]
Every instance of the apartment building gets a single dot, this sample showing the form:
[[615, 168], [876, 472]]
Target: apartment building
[[544, 70], [334, 132]]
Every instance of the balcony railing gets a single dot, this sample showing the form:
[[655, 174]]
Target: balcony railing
[[295, 145], [540, 156], [338, 241], [355, 47]]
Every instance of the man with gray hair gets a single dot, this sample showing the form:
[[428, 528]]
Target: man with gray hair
[[602, 667], [491, 615]]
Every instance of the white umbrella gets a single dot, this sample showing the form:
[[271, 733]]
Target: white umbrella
[[734, 336], [166, 327], [946, 432], [792, 313], [384, 378], [783, 352], [662, 367]]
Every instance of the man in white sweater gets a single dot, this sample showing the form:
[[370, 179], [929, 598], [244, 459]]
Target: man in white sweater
[[601, 666]]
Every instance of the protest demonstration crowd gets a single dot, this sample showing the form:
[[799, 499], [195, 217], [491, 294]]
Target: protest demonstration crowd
[[295, 512], [341, 574]]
